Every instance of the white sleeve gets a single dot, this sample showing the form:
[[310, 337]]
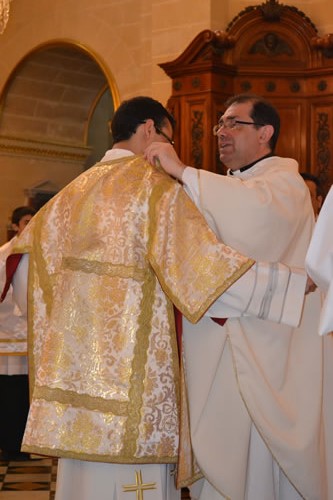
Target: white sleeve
[[20, 284], [319, 256], [319, 261], [191, 184], [272, 292]]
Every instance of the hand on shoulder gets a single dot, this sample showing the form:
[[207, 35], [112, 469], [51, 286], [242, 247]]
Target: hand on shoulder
[[310, 286], [167, 158]]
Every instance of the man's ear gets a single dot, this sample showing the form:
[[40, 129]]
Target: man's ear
[[266, 133], [149, 128], [15, 228]]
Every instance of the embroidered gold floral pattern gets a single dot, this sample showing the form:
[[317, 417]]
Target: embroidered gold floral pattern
[[104, 364]]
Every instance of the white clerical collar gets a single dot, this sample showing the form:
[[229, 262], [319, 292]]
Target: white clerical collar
[[250, 165], [114, 154]]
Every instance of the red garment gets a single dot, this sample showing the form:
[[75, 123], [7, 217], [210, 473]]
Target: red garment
[[12, 262]]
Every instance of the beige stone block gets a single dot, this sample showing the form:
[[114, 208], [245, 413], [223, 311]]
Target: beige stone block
[[18, 126], [66, 132], [20, 104], [72, 96], [38, 72], [24, 86], [65, 113]]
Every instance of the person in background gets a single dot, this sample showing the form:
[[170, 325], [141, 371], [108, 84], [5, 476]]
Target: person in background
[[313, 183], [14, 393], [261, 409], [319, 260]]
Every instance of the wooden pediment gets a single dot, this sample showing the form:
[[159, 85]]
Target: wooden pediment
[[273, 35], [206, 52]]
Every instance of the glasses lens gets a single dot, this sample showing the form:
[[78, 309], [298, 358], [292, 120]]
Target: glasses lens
[[228, 123]]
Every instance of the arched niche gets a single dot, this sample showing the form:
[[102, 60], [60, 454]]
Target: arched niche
[[52, 96], [270, 49], [55, 109]]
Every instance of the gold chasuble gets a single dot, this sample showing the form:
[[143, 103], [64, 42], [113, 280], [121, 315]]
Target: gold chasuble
[[109, 255]]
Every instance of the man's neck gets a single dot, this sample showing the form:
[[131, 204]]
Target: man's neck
[[129, 145], [250, 165]]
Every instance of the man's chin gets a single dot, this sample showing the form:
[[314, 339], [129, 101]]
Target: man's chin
[[224, 159]]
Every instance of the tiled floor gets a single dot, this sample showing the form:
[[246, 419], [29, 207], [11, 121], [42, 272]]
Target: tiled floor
[[32, 480], [28, 480]]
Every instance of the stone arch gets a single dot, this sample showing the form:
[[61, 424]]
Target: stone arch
[[54, 95]]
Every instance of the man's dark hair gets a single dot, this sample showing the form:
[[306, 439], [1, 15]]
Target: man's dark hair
[[262, 112], [313, 178], [20, 212], [133, 112]]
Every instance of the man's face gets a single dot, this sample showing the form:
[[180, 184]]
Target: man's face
[[315, 199], [242, 144], [24, 221]]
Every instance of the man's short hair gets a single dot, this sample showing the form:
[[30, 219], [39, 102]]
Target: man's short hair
[[20, 212], [262, 112], [134, 112], [313, 178]]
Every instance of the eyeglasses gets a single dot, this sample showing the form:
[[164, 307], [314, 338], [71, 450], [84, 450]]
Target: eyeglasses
[[160, 132], [231, 123]]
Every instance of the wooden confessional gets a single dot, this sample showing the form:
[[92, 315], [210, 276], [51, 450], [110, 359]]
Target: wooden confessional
[[270, 49]]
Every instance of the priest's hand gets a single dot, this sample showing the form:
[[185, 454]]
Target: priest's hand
[[310, 286], [164, 155]]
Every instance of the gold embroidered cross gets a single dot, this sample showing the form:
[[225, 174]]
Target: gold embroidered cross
[[139, 487]]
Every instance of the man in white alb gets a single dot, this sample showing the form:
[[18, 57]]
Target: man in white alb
[[261, 415]]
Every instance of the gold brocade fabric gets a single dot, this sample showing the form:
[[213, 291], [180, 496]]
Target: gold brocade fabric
[[108, 255]]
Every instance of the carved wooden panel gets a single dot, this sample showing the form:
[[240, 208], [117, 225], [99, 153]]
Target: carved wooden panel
[[321, 131], [289, 143], [269, 49]]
